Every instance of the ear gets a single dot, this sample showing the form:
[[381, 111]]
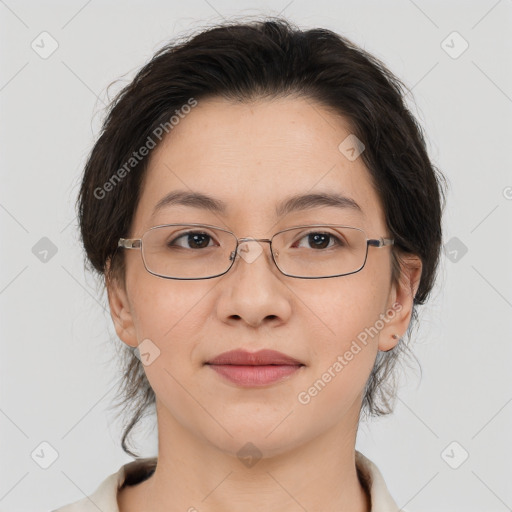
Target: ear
[[401, 301], [120, 310]]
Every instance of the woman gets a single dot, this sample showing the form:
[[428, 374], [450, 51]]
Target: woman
[[264, 212]]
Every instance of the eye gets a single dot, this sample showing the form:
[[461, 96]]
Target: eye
[[320, 240], [192, 239]]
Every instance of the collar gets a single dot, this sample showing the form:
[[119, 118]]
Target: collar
[[105, 496]]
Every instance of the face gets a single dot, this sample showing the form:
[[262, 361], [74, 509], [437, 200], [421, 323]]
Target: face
[[252, 157]]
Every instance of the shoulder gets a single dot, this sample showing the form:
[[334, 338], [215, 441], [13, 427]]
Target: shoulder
[[372, 479], [104, 498]]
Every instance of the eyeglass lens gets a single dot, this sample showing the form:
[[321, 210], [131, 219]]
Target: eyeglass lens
[[194, 252]]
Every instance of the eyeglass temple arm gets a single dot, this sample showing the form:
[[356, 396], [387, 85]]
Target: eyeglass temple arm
[[129, 243], [381, 242]]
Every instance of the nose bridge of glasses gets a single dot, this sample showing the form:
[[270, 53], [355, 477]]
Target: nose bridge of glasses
[[250, 239], [249, 252]]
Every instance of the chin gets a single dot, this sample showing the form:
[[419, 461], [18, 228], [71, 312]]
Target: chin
[[266, 439]]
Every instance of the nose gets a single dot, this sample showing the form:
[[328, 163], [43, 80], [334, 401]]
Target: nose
[[254, 293], [249, 252]]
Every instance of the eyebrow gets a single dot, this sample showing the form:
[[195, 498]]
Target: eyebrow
[[298, 202]]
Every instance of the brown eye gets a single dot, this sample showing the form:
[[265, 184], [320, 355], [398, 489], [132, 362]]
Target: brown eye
[[318, 240], [192, 240]]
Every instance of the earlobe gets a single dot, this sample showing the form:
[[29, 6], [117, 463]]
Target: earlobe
[[386, 345]]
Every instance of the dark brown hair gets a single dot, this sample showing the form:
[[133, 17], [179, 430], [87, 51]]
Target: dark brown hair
[[242, 61]]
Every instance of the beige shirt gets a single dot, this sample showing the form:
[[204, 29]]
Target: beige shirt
[[104, 498]]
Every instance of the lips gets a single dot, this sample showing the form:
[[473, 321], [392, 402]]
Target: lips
[[254, 369], [260, 358]]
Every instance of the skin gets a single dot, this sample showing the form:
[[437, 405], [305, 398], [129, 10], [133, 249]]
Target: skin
[[251, 156]]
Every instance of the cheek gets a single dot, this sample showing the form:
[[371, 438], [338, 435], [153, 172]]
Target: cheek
[[168, 313], [344, 346], [344, 307], [165, 310], [344, 330]]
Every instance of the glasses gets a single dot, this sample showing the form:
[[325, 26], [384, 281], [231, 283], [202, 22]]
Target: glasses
[[201, 251]]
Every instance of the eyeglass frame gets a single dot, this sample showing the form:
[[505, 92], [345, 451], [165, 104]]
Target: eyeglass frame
[[136, 243]]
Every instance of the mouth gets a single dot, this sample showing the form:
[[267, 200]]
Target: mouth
[[253, 369]]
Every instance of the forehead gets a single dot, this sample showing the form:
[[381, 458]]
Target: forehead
[[252, 156]]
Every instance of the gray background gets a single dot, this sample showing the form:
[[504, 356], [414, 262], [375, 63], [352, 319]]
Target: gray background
[[58, 372]]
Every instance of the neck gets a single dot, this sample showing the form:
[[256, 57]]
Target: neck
[[195, 475]]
